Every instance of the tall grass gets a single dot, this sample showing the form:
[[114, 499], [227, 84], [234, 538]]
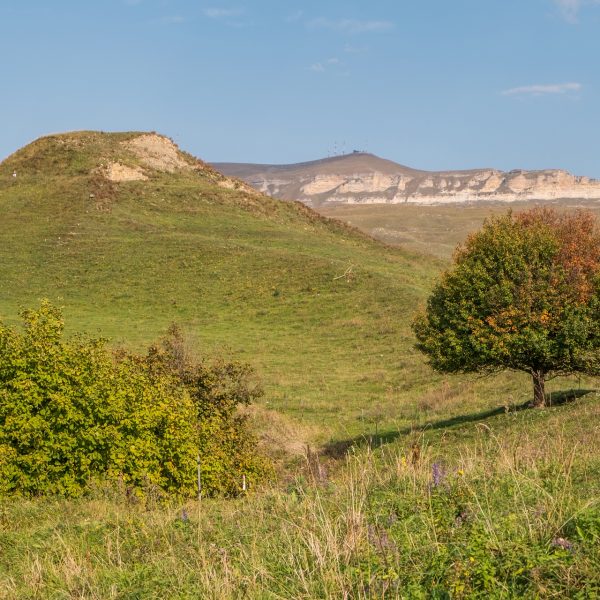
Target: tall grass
[[505, 517]]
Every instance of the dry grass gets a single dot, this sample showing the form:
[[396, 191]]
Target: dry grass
[[393, 523], [433, 230]]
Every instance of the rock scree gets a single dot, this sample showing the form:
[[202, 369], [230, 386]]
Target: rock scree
[[118, 172], [157, 152]]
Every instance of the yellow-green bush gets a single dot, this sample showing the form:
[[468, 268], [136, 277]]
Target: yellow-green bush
[[72, 412], [227, 448]]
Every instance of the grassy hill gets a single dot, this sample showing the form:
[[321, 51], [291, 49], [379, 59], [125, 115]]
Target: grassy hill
[[320, 310], [451, 487]]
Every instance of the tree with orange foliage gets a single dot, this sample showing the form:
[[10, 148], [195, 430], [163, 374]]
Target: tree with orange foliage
[[523, 294]]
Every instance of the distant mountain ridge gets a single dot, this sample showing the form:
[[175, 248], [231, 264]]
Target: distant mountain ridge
[[363, 178]]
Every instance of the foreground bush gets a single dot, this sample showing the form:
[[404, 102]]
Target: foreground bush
[[227, 448], [72, 412]]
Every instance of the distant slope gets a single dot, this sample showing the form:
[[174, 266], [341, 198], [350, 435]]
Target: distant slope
[[345, 165], [361, 178], [434, 229], [129, 234]]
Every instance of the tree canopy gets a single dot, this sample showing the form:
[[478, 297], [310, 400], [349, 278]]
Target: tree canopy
[[523, 294]]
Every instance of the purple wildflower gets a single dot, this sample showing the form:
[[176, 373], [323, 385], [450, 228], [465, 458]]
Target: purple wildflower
[[438, 474], [380, 539], [562, 543]]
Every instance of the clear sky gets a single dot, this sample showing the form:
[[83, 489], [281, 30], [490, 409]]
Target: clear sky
[[434, 84]]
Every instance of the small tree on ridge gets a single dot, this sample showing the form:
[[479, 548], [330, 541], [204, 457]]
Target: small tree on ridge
[[523, 294]]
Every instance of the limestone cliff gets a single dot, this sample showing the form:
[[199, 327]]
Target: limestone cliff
[[361, 178]]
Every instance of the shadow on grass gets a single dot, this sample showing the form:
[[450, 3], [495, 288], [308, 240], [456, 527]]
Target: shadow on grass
[[339, 448]]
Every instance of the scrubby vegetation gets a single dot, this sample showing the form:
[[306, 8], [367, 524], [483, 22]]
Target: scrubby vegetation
[[74, 414], [497, 515]]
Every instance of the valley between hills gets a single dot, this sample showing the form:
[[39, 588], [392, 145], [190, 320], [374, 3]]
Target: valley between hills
[[430, 212], [392, 480]]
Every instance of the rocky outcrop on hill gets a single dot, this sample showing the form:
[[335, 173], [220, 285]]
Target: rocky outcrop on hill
[[110, 158], [361, 178]]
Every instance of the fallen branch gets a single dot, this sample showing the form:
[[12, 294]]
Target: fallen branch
[[347, 274]]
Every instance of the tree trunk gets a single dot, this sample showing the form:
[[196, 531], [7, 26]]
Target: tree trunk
[[539, 395]]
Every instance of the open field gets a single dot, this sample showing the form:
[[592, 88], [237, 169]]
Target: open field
[[417, 485], [433, 230]]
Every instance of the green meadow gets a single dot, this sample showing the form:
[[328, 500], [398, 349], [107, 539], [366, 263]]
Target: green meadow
[[432, 230], [394, 481]]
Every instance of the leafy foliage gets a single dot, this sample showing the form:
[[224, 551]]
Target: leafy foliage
[[71, 412], [523, 294], [216, 389]]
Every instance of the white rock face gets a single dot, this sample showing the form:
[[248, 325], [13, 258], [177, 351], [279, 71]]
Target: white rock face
[[492, 183], [271, 186], [490, 186], [115, 171], [157, 152], [321, 184], [361, 178]]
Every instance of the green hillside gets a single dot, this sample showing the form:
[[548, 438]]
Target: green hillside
[[451, 487], [319, 309]]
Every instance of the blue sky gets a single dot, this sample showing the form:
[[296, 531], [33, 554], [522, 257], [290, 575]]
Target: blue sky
[[434, 84]]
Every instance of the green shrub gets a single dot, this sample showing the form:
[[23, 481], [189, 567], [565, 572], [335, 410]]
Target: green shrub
[[217, 388], [72, 411]]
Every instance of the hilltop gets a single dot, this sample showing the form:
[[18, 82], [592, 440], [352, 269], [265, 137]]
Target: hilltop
[[362, 178]]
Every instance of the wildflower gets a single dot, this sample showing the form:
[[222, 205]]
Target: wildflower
[[562, 543], [379, 538], [438, 474]]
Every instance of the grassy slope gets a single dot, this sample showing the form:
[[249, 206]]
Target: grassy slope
[[262, 278], [243, 274], [248, 275], [252, 274], [434, 230]]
